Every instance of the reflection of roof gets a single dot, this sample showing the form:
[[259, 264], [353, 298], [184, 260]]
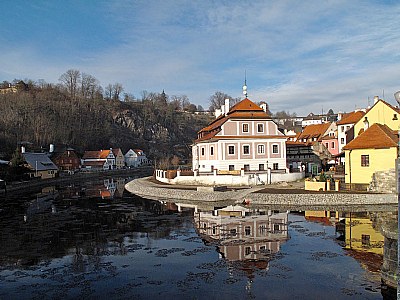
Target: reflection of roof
[[370, 261], [39, 161], [378, 136], [351, 118]]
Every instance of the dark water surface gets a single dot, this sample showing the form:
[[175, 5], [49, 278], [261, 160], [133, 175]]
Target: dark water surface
[[95, 241]]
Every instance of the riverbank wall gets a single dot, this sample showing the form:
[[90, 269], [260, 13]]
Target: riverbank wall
[[145, 188], [35, 183]]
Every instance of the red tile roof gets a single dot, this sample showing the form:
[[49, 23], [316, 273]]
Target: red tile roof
[[351, 118], [91, 154], [246, 105], [378, 136], [314, 131], [104, 153], [245, 109]]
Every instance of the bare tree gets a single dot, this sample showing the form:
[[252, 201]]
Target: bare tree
[[108, 91], [70, 81], [89, 86], [217, 100], [117, 90]]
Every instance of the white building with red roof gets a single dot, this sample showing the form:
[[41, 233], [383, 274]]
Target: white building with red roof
[[99, 160], [244, 137]]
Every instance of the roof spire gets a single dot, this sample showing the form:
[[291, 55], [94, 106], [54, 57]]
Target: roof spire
[[245, 85]]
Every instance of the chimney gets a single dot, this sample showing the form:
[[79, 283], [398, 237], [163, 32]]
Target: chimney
[[264, 107], [51, 148], [217, 112], [366, 123], [223, 109], [227, 106], [376, 99], [22, 149]]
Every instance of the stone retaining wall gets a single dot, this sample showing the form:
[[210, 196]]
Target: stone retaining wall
[[146, 189], [384, 182]]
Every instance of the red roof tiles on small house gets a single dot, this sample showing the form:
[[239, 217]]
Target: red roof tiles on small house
[[104, 153], [351, 118], [91, 154], [378, 136], [314, 131]]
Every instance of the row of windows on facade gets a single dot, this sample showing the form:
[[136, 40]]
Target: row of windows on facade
[[246, 149], [263, 230], [260, 128], [332, 145], [261, 167]]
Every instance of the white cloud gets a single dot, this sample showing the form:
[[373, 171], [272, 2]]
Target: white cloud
[[300, 56]]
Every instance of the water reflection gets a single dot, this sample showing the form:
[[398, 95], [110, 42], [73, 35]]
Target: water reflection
[[243, 234], [93, 240]]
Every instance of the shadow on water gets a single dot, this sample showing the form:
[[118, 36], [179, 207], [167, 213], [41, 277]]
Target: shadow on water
[[93, 239]]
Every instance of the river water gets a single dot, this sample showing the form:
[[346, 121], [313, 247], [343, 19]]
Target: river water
[[93, 240]]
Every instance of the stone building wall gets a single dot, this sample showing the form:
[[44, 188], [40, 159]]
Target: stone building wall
[[384, 182]]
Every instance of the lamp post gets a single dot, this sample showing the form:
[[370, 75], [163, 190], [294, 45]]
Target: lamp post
[[397, 97]]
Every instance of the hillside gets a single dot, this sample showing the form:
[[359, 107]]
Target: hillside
[[48, 115]]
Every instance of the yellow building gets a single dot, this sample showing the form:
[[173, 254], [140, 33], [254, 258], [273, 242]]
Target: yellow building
[[382, 113], [371, 151], [362, 234]]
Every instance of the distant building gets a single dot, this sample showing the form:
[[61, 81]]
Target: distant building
[[345, 124], [309, 151], [67, 160], [135, 158], [99, 160], [13, 88], [40, 165]]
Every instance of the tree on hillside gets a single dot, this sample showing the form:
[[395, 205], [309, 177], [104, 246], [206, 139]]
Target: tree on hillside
[[70, 81], [90, 86], [217, 100]]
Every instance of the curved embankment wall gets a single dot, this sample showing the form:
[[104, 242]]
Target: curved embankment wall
[[146, 189]]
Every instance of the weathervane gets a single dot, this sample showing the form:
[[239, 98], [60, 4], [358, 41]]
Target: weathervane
[[245, 85]]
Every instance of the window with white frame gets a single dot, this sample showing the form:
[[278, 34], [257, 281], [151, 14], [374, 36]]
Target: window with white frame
[[202, 151], [246, 149], [260, 128], [261, 149], [211, 150], [275, 149], [245, 127], [231, 150]]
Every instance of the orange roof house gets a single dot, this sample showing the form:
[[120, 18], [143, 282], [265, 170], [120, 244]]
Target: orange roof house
[[374, 150], [99, 159], [308, 150], [351, 118], [242, 137]]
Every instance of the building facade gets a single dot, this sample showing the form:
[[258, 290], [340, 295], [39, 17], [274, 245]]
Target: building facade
[[243, 137]]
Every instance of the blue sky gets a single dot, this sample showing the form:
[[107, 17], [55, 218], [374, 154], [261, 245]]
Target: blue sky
[[300, 56]]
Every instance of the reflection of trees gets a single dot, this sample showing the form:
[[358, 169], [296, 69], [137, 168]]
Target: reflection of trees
[[85, 229]]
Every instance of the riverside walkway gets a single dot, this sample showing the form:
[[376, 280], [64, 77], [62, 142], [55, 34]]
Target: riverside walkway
[[283, 194]]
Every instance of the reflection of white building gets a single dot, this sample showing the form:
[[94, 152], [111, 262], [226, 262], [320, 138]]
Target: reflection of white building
[[242, 233]]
